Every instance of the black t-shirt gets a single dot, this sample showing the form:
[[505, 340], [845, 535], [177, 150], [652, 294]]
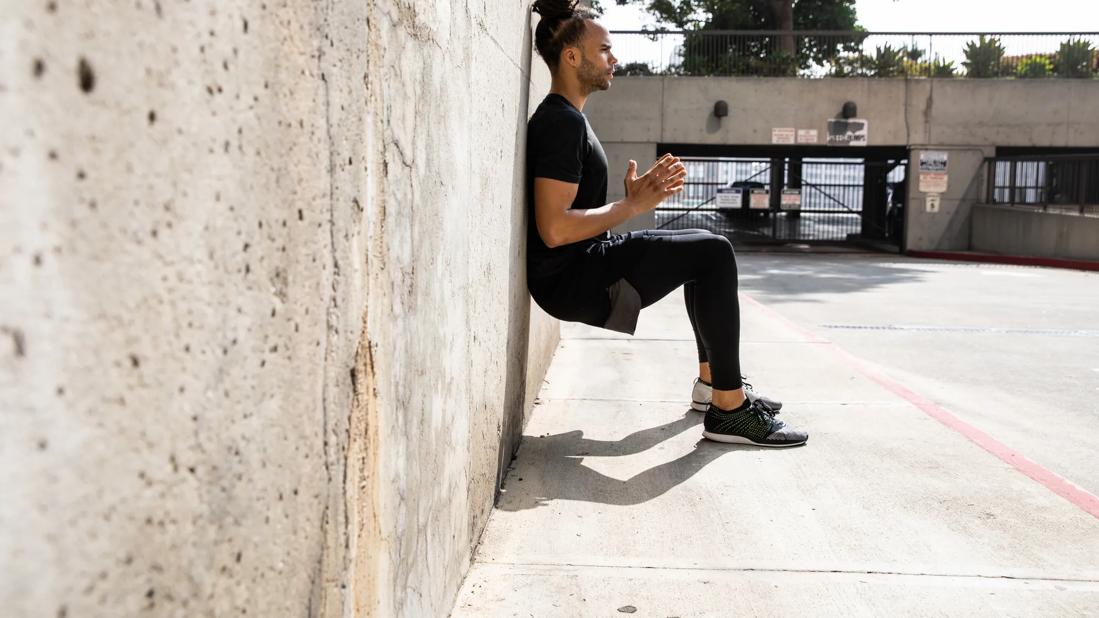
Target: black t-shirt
[[561, 145]]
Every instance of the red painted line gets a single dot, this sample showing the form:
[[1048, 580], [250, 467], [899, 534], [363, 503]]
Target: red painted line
[[1061, 486], [1017, 260]]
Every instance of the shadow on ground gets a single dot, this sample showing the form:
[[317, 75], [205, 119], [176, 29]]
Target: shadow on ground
[[552, 467]]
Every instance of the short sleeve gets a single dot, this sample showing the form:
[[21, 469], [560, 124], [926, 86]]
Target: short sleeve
[[558, 150]]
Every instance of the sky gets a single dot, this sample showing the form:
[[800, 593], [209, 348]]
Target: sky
[[933, 16]]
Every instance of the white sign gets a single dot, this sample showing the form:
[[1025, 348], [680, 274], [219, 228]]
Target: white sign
[[783, 136], [933, 182], [932, 201], [728, 198], [761, 199], [807, 136], [933, 161], [791, 199], [848, 132]]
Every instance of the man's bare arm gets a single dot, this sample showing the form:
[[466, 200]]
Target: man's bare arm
[[559, 225]]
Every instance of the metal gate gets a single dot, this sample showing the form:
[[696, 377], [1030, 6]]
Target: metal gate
[[788, 199]]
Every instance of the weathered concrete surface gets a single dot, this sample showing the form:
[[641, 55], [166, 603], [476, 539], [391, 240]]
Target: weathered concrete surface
[[1020, 231], [954, 112], [616, 500], [267, 335], [952, 226]]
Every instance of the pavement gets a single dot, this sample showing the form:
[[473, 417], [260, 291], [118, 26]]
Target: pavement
[[952, 467]]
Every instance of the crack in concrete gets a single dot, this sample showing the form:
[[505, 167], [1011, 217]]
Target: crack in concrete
[[1076, 580]]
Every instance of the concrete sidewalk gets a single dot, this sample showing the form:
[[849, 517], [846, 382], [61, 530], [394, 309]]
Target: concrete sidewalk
[[951, 469]]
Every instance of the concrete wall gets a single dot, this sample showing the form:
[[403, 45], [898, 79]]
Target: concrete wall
[[955, 112], [267, 336], [1019, 231], [968, 118]]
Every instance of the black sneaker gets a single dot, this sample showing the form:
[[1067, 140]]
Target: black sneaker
[[752, 424]]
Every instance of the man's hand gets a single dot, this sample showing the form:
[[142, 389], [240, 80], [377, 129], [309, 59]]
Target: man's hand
[[645, 192]]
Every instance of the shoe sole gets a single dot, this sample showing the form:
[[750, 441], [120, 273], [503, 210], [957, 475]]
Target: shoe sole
[[727, 439]]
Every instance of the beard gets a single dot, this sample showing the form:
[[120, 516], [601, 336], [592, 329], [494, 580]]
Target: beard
[[591, 78]]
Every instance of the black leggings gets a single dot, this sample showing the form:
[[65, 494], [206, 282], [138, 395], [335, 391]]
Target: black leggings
[[656, 262]]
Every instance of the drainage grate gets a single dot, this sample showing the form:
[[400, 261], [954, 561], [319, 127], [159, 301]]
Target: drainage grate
[[967, 330]]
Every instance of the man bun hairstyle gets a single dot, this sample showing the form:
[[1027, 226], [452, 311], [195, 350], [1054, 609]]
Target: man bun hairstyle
[[562, 25]]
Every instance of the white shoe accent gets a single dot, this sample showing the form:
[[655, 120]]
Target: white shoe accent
[[701, 396], [720, 437]]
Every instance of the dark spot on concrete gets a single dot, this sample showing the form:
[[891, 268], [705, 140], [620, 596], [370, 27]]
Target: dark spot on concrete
[[135, 362], [38, 68], [60, 391], [81, 174], [210, 91], [175, 464], [239, 556], [19, 342], [246, 246], [187, 348], [92, 204], [42, 444], [152, 116], [273, 312], [86, 75], [301, 215], [159, 9], [225, 64], [153, 232], [191, 469], [51, 6], [62, 612], [247, 268], [37, 259]]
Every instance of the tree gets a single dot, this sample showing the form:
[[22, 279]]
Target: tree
[[783, 54]]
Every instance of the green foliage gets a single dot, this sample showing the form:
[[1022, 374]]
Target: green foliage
[[984, 58], [1034, 66], [636, 69], [942, 69], [889, 62], [1075, 58], [762, 55]]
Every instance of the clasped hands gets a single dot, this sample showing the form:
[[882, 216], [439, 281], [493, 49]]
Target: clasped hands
[[666, 177]]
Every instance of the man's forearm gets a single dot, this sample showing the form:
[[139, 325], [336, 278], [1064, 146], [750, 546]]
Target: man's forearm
[[579, 224]]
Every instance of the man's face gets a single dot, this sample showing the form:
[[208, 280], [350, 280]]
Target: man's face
[[596, 68]]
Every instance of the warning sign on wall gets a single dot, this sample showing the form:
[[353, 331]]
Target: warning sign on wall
[[848, 132], [933, 160], [760, 200], [728, 198], [791, 199], [783, 135], [933, 182]]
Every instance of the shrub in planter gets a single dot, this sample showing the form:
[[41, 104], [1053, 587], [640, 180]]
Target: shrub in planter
[[1075, 58], [1034, 66], [983, 58]]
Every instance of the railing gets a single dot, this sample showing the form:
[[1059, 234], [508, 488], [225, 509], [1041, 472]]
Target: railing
[[1064, 183], [828, 53]]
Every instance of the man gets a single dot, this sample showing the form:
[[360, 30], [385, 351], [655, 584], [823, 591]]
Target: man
[[577, 271]]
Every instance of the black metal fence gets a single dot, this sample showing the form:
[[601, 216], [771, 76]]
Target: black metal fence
[[826, 53], [1049, 182], [789, 199]]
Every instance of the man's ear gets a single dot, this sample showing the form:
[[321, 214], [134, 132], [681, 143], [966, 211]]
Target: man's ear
[[572, 56]]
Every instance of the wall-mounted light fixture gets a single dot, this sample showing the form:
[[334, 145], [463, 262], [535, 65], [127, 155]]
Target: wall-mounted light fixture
[[721, 109], [850, 110]]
